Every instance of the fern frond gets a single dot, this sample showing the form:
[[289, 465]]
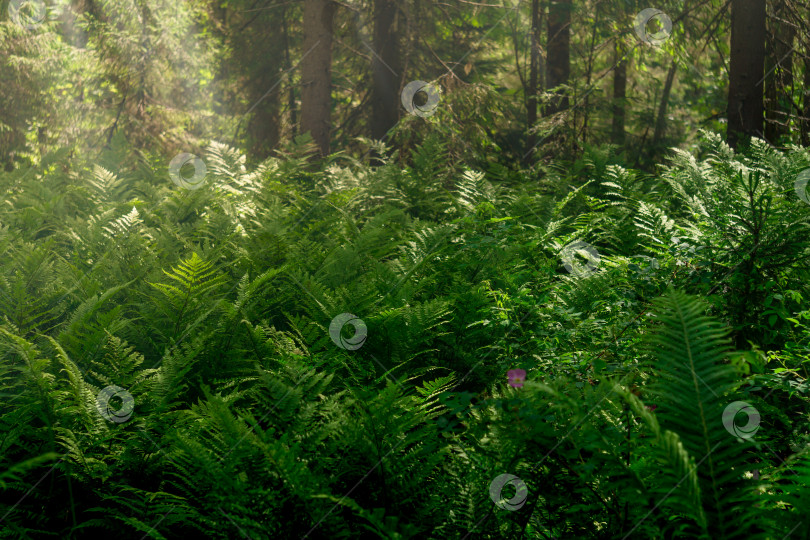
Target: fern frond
[[693, 387]]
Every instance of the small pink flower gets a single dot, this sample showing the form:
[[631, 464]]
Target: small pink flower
[[516, 377], [651, 407]]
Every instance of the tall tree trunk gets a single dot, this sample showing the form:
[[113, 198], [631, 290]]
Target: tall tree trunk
[[589, 74], [745, 95], [661, 120], [253, 63], [386, 67], [264, 129], [291, 89], [534, 72], [558, 64], [619, 93], [805, 121], [316, 72], [779, 81]]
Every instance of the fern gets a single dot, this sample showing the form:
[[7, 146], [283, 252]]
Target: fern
[[694, 385], [194, 279]]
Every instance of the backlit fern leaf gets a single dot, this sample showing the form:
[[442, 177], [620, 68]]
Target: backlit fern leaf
[[654, 225], [469, 190], [194, 278], [106, 186], [124, 225]]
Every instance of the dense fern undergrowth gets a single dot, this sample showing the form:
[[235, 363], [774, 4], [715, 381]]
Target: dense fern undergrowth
[[212, 308]]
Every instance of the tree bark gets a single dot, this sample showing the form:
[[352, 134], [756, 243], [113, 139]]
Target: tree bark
[[661, 120], [779, 81], [386, 67], [291, 89], [745, 89], [589, 74], [534, 72], [619, 94], [316, 72], [805, 121], [264, 129], [558, 64], [253, 65]]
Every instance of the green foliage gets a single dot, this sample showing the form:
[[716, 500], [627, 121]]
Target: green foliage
[[205, 317], [212, 308], [693, 384]]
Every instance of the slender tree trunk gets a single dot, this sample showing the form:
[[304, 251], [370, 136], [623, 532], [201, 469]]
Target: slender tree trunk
[[619, 93], [254, 61], [745, 89], [291, 90], [586, 104], [534, 71], [661, 120], [386, 68], [779, 81], [805, 122], [316, 72], [264, 129], [558, 64]]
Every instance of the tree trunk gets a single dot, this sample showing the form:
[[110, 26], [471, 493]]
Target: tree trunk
[[386, 66], [745, 95], [534, 71], [661, 120], [589, 74], [805, 121], [558, 65], [779, 81], [264, 129], [619, 93], [316, 72], [291, 89], [252, 63]]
